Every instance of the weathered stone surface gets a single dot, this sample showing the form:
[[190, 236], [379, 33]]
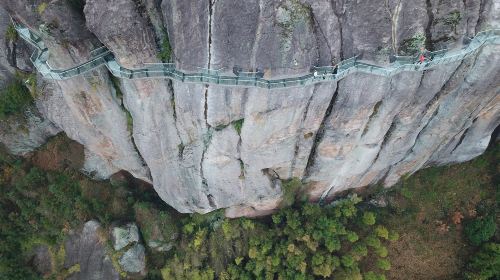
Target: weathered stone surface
[[23, 135], [475, 139], [124, 235], [411, 118], [88, 249], [168, 128], [6, 70], [83, 107], [276, 37], [371, 126], [14, 53], [469, 94], [187, 24], [42, 260], [27, 131], [333, 136], [134, 260]]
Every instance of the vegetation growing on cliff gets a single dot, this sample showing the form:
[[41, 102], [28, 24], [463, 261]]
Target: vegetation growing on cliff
[[452, 20], [14, 98], [411, 46], [238, 125], [165, 53], [11, 34]]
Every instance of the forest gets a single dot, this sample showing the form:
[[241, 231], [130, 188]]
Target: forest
[[442, 208]]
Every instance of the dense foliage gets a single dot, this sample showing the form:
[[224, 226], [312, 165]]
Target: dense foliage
[[29, 215], [39, 207], [485, 264], [347, 240], [481, 229], [298, 243], [14, 98]]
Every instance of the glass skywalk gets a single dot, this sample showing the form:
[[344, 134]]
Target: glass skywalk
[[103, 57]]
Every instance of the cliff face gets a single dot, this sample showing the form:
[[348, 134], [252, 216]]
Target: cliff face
[[19, 135], [333, 136], [85, 107]]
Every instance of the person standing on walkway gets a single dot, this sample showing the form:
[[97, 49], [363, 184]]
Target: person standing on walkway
[[421, 56]]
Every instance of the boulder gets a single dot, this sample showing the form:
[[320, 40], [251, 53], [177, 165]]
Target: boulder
[[87, 249], [134, 260], [124, 235]]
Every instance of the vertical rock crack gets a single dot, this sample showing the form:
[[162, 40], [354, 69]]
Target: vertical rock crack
[[321, 132]]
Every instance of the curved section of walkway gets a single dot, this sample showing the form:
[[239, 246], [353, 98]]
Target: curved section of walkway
[[104, 57]]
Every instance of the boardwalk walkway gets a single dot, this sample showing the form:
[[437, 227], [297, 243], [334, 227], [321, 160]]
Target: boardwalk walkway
[[104, 57]]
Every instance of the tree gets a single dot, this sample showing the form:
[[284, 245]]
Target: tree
[[165, 53], [302, 242], [369, 218], [393, 236], [382, 251], [352, 236], [382, 232], [383, 264], [348, 261], [485, 264], [359, 250], [373, 241], [453, 20], [480, 230], [11, 33]]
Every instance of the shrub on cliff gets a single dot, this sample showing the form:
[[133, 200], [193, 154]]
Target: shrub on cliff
[[11, 34], [165, 53], [14, 98]]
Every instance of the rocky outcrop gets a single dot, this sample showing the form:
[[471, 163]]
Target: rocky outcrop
[[6, 70], [84, 107], [123, 236], [42, 260], [130, 254], [87, 249], [210, 147], [27, 131], [158, 228], [14, 53], [84, 254], [134, 260], [24, 134]]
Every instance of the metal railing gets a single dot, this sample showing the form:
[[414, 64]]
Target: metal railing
[[103, 57]]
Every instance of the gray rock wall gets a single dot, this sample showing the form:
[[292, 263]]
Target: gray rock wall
[[87, 249], [83, 107], [335, 136], [20, 135]]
